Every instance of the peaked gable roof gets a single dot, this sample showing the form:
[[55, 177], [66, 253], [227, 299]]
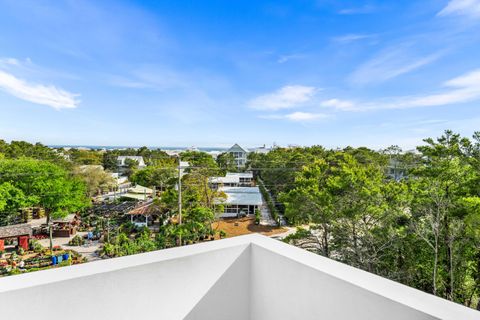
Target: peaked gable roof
[[237, 148]]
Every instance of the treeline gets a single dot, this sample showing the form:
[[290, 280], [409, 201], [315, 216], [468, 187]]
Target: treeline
[[63, 181], [412, 217]]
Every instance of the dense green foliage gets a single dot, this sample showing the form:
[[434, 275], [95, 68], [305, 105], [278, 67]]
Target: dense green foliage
[[84, 157], [95, 178], [12, 200], [420, 227], [161, 176], [18, 149], [151, 157], [412, 217], [46, 185], [196, 226], [226, 162], [123, 245]]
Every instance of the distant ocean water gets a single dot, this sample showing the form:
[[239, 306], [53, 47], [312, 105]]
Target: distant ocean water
[[206, 149]]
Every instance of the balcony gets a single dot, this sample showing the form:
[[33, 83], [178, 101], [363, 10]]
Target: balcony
[[247, 277]]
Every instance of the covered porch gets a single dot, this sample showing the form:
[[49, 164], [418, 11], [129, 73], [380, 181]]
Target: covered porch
[[240, 209], [20, 232]]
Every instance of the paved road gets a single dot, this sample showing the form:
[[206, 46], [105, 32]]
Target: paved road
[[281, 236]]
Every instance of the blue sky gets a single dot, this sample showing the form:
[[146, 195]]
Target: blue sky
[[211, 73]]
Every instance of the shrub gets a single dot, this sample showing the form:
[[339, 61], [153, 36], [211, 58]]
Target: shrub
[[36, 246], [128, 228], [13, 256], [76, 241], [108, 250], [123, 245], [160, 241], [257, 216]]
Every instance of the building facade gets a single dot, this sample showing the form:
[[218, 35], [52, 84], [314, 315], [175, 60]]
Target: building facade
[[240, 201], [232, 179], [239, 154]]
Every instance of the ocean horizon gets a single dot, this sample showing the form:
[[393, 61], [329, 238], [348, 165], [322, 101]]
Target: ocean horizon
[[99, 147]]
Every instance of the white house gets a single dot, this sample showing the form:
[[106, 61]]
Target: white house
[[139, 193], [263, 149], [240, 201], [232, 179], [139, 159], [239, 154]]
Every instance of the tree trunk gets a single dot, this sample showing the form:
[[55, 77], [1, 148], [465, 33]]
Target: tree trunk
[[51, 237], [355, 244], [435, 266], [448, 260], [326, 248]]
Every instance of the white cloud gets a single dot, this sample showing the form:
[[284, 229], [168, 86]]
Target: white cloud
[[358, 10], [286, 58], [298, 116], [284, 98], [9, 61], [462, 89], [338, 104], [348, 38], [305, 116], [390, 64], [462, 7], [37, 93]]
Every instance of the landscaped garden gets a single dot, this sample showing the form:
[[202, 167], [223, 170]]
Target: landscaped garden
[[16, 261]]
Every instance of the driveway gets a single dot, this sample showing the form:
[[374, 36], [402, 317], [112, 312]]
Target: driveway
[[266, 218]]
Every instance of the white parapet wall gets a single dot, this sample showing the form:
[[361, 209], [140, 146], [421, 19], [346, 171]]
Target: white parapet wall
[[248, 277]]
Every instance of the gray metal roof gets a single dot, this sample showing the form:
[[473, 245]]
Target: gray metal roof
[[240, 174], [241, 196], [231, 177]]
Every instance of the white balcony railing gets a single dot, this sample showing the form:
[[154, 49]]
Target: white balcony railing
[[248, 277]]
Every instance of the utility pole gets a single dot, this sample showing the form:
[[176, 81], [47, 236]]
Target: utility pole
[[180, 196]]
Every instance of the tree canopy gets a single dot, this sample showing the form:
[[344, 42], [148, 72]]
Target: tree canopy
[[46, 185], [420, 228]]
